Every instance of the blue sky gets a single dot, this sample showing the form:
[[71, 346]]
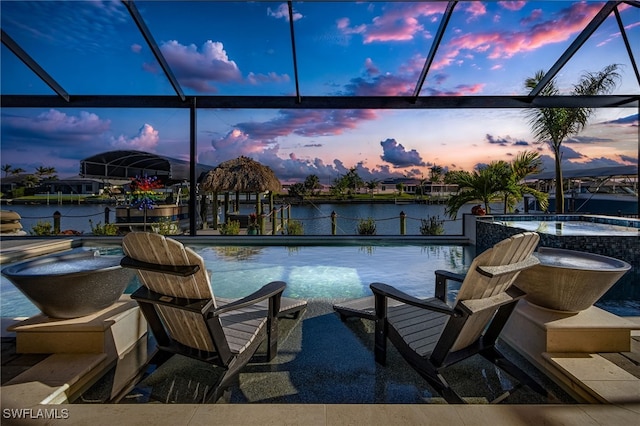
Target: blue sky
[[343, 48]]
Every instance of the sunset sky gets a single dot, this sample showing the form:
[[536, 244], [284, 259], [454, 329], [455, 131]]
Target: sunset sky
[[343, 48]]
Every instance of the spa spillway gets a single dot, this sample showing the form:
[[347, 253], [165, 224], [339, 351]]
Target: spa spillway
[[568, 280], [71, 285]]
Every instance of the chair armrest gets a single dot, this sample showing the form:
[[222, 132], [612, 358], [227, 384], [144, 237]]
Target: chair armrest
[[496, 271], [179, 270], [144, 295], [274, 288], [393, 293], [512, 294], [441, 282], [449, 275]]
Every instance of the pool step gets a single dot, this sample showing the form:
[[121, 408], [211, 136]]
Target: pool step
[[577, 350], [57, 379], [595, 378]]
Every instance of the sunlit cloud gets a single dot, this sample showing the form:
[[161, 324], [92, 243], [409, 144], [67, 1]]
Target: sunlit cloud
[[198, 68], [202, 69], [146, 140], [136, 48], [282, 12]]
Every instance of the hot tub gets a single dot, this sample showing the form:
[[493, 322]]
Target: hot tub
[[615, 237], [568, 280], [71, 285]]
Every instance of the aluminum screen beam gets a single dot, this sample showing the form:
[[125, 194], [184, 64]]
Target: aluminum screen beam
[[137, 18], [434, 47], [575, 46], [323, 102], [33, 65], [627, 45], [293, 49]]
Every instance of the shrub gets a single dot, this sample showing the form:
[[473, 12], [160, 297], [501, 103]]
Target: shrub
[[232, 227], [367, 226], [432, 226], [294, 227], [42, 228], [166, 226], [106, 229]]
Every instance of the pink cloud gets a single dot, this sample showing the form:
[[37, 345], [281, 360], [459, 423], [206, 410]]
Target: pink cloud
[[475, 9], [512, 5], [136, 48], [310, 123], [459, 90], [396, 23], [499, 45], [534, 16], [383, 85], [55, 125], [371, 68]]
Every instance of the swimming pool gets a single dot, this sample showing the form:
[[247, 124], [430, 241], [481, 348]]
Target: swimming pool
[[311, 272]]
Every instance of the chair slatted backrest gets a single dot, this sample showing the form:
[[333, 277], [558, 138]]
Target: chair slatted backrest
[[479, 286], [188, 328]]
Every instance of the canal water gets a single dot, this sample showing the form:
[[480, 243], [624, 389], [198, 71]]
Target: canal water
[[315, 218]]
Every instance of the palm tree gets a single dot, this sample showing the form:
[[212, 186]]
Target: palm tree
[[372, 185], [482, 185], [526, 163], [435, 174], [312, 184], [554, 125], [7, 168]]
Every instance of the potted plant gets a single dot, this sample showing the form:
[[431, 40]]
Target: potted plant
[[143, 195], [252, 226]]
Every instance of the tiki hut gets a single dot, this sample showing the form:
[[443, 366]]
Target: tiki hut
[[241, 175]]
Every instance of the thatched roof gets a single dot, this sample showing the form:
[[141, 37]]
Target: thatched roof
[[241, 174]]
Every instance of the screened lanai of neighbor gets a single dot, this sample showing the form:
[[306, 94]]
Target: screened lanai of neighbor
[[312, 87]]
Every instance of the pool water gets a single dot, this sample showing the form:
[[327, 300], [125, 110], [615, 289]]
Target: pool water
[[311, 272], [567, 228]]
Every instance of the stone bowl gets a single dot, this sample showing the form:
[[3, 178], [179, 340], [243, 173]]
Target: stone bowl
[[569, 281], [71, 285]]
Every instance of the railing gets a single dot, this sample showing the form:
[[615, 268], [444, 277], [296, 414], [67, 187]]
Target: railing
[[279, 218], [402, 219]]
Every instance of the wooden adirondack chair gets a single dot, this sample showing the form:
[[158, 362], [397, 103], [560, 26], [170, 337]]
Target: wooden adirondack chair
[[431, 335], [177, 302]]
